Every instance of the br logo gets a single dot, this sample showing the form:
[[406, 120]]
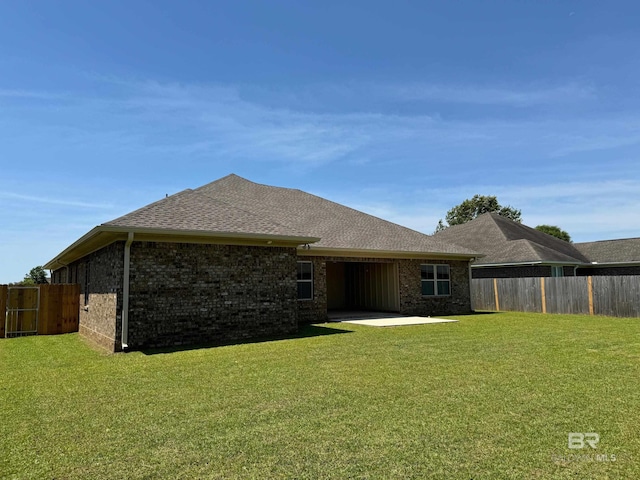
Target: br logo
[[578, 440]]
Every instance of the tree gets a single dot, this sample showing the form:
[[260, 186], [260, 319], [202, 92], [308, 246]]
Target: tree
[[441, 226], [36, 276], [555, 232], [479, 204]]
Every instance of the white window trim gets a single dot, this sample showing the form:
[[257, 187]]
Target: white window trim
[[556, 268], [435, 280], [305, 281]]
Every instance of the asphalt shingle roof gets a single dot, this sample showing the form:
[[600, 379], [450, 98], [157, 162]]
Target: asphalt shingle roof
[[611, 251], [504, 241], [236, 205], [192, 211]]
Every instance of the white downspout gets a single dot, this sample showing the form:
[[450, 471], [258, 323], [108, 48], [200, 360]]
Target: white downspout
[[125, 291]]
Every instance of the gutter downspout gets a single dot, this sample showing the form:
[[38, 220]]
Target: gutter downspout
[[471, 284], [125, 291]]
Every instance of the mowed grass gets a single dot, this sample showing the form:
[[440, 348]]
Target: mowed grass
[[493, 396]]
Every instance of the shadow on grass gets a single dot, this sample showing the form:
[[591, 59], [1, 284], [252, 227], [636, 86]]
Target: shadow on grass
[[305, 331], [479, 312]]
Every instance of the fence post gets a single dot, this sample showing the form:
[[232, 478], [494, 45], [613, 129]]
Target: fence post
[[3, 309], [543, 295], [495, 293], [590, 290]]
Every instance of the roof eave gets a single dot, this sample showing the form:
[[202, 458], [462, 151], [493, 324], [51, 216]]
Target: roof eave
[[370, 253], [533, 262], [103, 235], [299, 239], [57, 261], [631, 263]]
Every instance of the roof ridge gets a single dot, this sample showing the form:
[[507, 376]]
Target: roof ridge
[[151, 205], [494, 217], [524, 241], [545, 248], [236, 176]]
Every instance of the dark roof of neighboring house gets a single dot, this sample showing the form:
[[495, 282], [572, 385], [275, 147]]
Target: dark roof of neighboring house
[[611, 251], [235, 209], [504, 241]]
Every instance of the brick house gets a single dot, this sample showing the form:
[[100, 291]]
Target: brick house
[[234, 260], [514, 250]]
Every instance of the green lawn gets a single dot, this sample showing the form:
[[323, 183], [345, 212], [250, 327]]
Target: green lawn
[[493, 396]]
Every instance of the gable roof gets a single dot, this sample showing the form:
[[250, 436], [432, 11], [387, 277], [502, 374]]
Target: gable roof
[[625, 250], [504, 241], [233, 208]]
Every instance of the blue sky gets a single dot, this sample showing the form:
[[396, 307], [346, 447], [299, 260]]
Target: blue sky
[[399, 108]]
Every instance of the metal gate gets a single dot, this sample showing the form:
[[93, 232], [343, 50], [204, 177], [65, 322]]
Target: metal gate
[[22, 311]]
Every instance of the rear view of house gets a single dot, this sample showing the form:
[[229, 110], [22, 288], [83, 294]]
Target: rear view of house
[[234, 260]]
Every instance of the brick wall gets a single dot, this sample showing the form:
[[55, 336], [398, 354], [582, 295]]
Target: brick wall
[[194, 293], [100, 293], [413, 303], [513, 272], [596, 271], [545, 271]]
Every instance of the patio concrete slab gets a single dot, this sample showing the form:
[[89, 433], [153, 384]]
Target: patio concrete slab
[[396, 321]]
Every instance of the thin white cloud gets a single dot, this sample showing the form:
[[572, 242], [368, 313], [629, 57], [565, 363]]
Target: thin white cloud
[[216, 121], [578, 190], [244, 128], [54, 201], [8, 93], [598, 142], [490, 95]]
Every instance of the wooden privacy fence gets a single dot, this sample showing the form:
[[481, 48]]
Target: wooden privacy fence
[[42, 309], [614, 296]]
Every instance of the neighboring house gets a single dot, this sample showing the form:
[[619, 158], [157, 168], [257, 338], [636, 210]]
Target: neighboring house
[[611, 257], [235, 259], [513, 250]]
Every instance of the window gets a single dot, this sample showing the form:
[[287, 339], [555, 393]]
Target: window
[[436, 280], [305, 281], [557, 272]]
